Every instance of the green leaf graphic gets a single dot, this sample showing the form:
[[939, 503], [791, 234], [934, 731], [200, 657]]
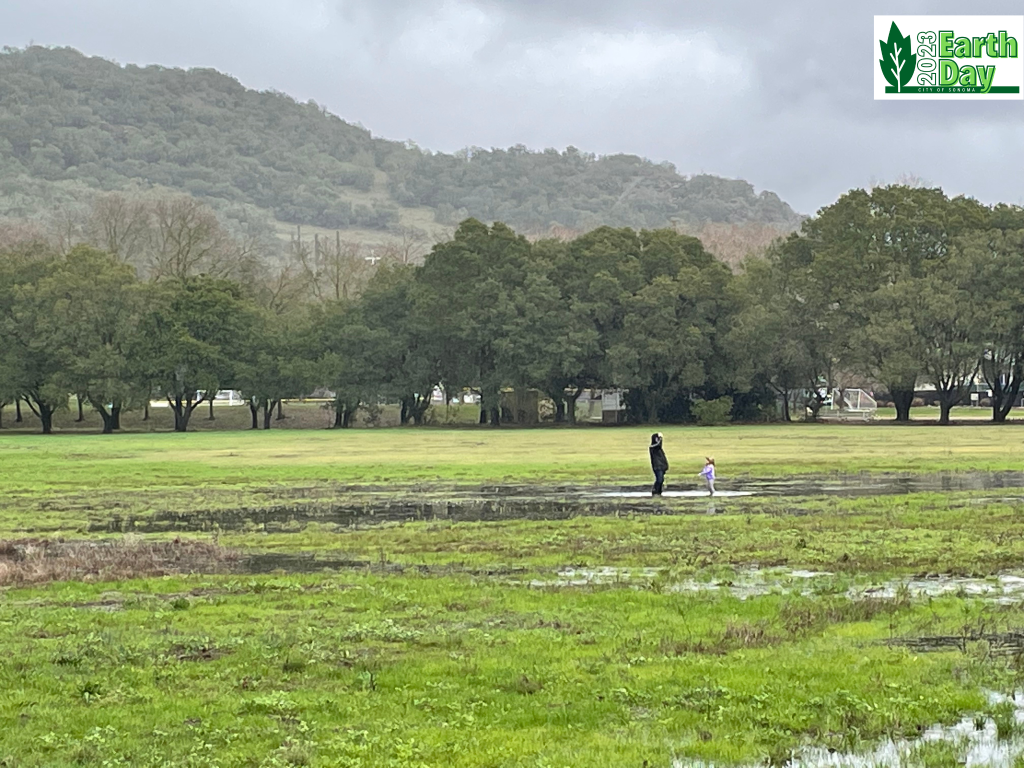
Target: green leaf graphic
[[898, 62]]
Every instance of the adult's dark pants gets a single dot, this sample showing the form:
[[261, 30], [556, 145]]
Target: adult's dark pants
[[659, 482]]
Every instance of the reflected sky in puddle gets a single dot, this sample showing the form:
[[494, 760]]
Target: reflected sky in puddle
[[972, 747], [356, 507], [698, 494], [753, 582]]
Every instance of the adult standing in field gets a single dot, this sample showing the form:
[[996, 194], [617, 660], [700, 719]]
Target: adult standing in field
[[659, 463]]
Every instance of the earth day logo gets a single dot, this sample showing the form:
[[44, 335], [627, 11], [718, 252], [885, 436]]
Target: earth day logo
[[949, 57], [897, 62]]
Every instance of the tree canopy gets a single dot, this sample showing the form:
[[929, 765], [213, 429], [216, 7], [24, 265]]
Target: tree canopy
[[894, 289]]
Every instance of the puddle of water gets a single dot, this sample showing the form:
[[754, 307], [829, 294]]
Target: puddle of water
[[269, 562], [978, 748], [744, 583], [1005, 588], [583, 577], [854, 485], [975, 747], [863, 484], [675, 494], [495, 503]]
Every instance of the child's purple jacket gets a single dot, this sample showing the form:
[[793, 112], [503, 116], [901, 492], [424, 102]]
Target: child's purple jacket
[[708, 473]]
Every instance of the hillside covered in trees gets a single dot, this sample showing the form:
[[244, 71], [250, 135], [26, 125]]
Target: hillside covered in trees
[[71, 125]]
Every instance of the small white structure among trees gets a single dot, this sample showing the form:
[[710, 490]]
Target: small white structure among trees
[[848, 405]]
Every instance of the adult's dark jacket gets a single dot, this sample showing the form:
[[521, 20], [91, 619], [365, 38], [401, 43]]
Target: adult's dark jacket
[[658, 460]]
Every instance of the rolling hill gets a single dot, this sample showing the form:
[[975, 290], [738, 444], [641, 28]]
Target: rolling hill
[[71, 125]]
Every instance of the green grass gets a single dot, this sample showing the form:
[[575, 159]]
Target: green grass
[[458, 643], [308, 414], [368, 671], [958, 413], [914, 534], [314, 414], [969, 534], [44, 464]]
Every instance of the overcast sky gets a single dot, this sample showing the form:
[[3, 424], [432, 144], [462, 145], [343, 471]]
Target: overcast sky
[[778, 93]]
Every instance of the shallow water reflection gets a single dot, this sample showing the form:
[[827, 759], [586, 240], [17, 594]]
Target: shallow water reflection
[[974, 743], [1004, 588], [363, 507]]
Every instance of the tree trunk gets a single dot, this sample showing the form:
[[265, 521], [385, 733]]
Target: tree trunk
[[483, 413], [786, 416], [254, 410], [1003, 399], [903, 399], [339, 415], [948, 397], [417, 408], [1003, 373], [44, 412], [81, 412], [210, 404], [651, 407], [108, 419], [280, 412], [182, 412], [403, 414], [46, 417], [559, 410], [17, 410], [145, 411], [944, 408], [570, 405], [2, 406], [495, 416], [268, 413], [346, 418]]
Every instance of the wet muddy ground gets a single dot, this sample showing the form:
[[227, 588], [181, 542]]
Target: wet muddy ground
[[845, 486], [286, 511]]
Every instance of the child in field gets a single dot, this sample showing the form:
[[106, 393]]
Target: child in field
[[708, 473]]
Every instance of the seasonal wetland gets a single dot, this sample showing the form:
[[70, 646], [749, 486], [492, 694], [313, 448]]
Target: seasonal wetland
[[478, 597]]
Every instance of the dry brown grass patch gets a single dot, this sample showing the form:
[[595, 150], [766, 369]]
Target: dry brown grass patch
[[37, 561]]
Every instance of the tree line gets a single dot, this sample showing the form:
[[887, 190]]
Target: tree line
[[890, 288]]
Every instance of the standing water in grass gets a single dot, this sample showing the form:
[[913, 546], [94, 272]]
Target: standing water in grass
[[708, 473], [659, 463]]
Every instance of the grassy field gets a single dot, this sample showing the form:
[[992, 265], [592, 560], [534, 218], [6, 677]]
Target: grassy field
[[310, 414], [44, 464], [412, 671], [636, 633], [317, 415]]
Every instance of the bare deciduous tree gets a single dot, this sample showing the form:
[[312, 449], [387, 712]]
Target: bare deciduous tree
[[409, 248], [188, 240], [19, 233], [121, 225], [338, 270]]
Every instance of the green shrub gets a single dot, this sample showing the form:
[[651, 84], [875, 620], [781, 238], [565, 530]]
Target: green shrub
[[711, 413]]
